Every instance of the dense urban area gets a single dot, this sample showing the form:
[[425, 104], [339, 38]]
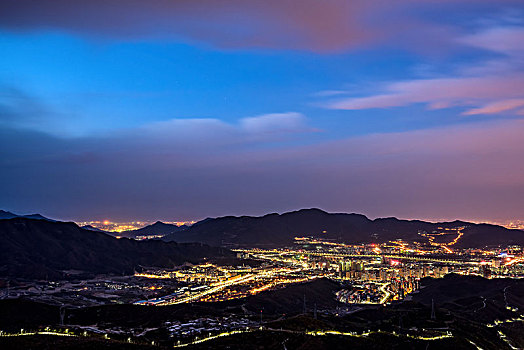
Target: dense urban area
[[365, 276]]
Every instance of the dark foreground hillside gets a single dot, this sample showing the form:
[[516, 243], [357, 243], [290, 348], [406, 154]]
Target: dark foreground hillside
[[66, 343], [43, 249], [284, 340], [469, 313], [21, 313], [481, 299], [290, 300]]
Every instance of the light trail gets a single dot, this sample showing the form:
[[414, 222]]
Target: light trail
[[228, 283], [342, 255], [387, 294], [276, 283], [313, 333], [248, 330], [513, 261], [149, 275], [220, 286], [431, 237], [202, 340], [21, 334]]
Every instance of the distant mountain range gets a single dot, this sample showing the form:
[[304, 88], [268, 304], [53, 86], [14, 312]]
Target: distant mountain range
[[92, 228], [154, 230], [157, 229], [36, 248], [8, 215], [280, 229]]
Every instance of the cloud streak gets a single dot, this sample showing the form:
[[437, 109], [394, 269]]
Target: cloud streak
[[440, 93], [264, 128], [492, 87]]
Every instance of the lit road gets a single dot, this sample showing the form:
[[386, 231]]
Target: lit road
[[214, 289], [386, 292], [313, 333], [358, 256], [247, 330], [230, 282]]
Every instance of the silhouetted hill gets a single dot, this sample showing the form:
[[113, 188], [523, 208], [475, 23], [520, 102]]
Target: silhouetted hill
[[8, 215], [36, 217], [478, 235], [92, 228], [280, 229], [68, 343], [290, 300], [474, 296], [157, 229], [39, 248]]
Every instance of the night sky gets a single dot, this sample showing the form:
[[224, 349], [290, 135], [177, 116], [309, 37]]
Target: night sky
[[184, 109]]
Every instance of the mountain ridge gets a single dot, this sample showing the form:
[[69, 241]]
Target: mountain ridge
[[92, 228], [280, 229], [159, 228], [9, 215]]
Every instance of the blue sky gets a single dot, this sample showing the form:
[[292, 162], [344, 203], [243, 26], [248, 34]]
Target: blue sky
[[198, 109], [116, 85]]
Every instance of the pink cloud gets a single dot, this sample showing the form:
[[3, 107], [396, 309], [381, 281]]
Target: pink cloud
[[439, 93], [502, 39], [497, 107], [490, 87]]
